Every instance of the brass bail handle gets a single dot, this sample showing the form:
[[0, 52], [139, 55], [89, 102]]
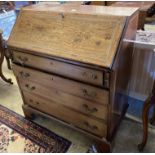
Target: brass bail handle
[[24, 75], [30, 87], [92, 127], [89, 94], [88, 109], [22, 60]]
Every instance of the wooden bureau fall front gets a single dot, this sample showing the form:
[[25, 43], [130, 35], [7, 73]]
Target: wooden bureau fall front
[[72, 65]]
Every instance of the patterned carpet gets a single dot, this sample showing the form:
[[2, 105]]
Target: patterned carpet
[[18, 134]]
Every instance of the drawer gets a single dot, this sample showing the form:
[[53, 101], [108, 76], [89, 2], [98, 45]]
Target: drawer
[[69, 86], [61, 112], [61, 68], [73, 102]]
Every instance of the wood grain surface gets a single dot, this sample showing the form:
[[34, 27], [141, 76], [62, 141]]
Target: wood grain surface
[[84, 9], [65, 54], [92, 125], [61, 68], [64, 98], [82, 90], [86, 38]]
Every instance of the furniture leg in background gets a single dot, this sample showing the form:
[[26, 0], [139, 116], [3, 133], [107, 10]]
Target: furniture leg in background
[[2, 55], [150, 101], [7, 56], [152, 120]]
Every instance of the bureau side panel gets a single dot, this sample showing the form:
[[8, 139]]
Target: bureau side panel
[[120, 76]]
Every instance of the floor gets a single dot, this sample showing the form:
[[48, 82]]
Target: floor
[[126, 140]]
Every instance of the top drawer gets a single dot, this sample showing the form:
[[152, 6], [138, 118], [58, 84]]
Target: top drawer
[[61, 68]]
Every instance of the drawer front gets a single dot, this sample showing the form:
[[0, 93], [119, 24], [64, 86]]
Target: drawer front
[[59, 111], [69, 86], [73, 102], [65, 69]]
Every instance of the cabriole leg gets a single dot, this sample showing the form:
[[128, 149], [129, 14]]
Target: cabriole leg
[[145, 116]]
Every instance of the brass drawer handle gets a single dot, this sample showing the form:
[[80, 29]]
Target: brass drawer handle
[[37, 103], [93, 76], [91, 127], [30, 87], [22, 60], [33, 102], [30, 100], [88, 109], [86, 93], [24, 75]]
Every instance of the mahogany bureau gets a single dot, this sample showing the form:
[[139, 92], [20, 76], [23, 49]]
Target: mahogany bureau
[[73, 65]]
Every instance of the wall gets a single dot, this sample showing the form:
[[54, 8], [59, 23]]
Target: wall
[[143, 73]]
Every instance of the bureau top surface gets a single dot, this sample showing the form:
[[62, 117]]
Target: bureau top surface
[[83, 9], [87, 34]]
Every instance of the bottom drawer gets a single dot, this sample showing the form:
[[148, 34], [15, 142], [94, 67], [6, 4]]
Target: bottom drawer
[[61, 112]]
